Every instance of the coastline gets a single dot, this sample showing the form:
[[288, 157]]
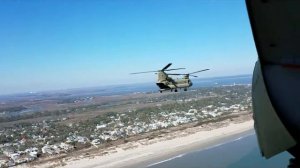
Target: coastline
[[197, 147], [145, 152]]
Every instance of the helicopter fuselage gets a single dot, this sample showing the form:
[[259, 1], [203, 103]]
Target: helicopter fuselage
[[165, 82]]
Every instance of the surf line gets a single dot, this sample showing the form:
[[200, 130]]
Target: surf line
[[178, 156]]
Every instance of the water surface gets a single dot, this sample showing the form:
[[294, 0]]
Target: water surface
[[240, 152]]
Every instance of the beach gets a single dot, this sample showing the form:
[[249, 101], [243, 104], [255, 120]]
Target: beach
[[145, 152]]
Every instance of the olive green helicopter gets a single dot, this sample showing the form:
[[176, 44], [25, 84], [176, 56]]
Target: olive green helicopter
[[164, 82]]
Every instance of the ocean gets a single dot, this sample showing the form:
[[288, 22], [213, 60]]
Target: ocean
[[125, 88], [238, 152]]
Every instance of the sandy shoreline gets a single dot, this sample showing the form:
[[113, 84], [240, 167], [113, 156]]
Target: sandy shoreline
[[155, 148], [146, 152]]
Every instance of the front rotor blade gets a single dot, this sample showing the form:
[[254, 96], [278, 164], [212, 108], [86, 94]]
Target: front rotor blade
[[199, 71], [142, 72], [174, 69], [194, 76], [167, 66]]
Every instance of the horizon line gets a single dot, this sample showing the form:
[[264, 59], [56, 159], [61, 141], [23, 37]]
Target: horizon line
[[109, 85]]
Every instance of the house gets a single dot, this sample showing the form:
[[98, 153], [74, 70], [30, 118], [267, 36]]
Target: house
[[47, 150], [65, 146], [100, 126], [82, 140], [56, 149], [15, 156], [33, 152], [96, 142]]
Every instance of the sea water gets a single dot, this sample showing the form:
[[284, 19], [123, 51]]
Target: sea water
[[240, 152]]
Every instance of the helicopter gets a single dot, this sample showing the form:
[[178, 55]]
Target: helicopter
[[164, 82]]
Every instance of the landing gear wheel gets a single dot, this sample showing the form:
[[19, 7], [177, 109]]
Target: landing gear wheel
[[185, 89], [175, 90]]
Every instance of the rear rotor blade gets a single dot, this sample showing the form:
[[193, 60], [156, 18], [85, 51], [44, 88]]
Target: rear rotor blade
[[166, 67], [199, 71]]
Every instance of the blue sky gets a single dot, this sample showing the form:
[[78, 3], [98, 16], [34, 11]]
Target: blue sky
[[49, 45]]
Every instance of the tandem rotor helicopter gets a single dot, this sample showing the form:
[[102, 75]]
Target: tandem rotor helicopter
[[164, 82]]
